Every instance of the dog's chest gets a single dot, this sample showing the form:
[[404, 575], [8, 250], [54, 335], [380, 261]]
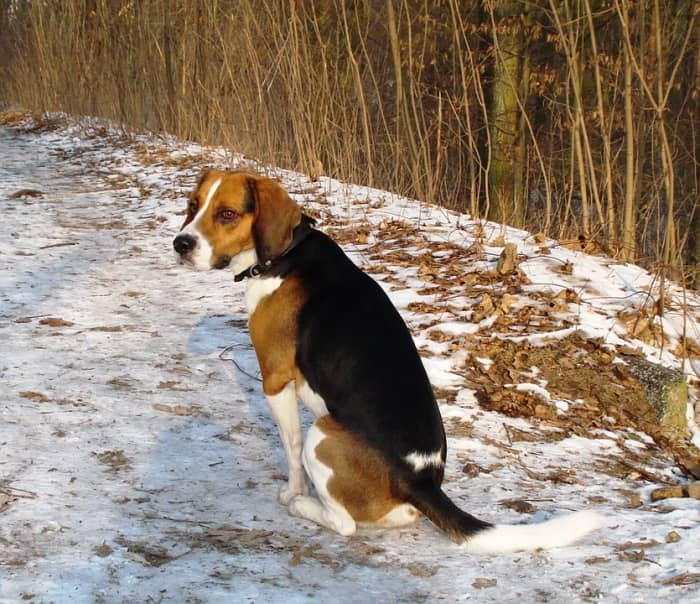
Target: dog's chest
[[258, 289]]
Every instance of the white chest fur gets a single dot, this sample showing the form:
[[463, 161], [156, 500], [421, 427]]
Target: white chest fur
[[258, 289]]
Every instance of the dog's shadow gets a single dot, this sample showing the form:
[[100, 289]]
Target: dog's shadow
[[226, 338], [214, 333]]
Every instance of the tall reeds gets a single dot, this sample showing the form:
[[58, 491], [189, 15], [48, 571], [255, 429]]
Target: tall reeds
[[578, 118]]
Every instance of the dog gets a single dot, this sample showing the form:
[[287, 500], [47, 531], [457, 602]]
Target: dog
[[326, 333]]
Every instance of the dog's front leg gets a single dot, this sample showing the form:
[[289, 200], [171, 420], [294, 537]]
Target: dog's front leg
[[285, 410]]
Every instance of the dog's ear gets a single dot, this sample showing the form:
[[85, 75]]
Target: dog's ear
[[276, 216]]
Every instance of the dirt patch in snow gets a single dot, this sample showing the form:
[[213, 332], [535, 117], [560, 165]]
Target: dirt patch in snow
[[573, 384]]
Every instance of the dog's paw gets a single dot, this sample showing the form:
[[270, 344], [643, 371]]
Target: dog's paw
[[299, 505], [289, 492]]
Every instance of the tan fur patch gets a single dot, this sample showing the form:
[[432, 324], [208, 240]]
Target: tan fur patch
[[273, 330], [361, 478]]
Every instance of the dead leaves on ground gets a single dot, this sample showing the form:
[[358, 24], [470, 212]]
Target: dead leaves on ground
[[138, 551], [40, 397], [597, 393], [9, 495], [180, 410], [115, 460], [237, 540], [574, 385], [30, 121]]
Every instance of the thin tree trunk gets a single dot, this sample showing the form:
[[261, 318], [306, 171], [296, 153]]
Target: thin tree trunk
[[670, 239], [604, 129], [694, 238], [359, 91], [506, 201], [629, 240]]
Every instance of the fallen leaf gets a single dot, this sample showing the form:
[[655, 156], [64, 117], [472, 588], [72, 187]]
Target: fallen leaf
[[519, 505], [103, 550], [481, 583], [6, 501], [26, 193], [56, 322], [632, 556], [667, 493], [683, 579], [422, 570], [636, 544], [38, 396], [596, 560], [173, 409]]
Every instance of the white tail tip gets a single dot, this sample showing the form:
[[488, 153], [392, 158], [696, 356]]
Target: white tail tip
[[558, 532]]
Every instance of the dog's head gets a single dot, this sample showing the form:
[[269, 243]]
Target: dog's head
[[235, 216]]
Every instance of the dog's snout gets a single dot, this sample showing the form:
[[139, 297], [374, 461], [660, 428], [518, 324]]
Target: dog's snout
[[184, 244]]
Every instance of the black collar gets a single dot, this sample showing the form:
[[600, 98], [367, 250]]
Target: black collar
[[301, 232]]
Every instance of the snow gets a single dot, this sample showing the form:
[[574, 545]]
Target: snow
[[139, 464]]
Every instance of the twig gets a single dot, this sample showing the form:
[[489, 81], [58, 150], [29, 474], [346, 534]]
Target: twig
[[16, 492], [536, 499], [46, 247], [243, 371], [505, 427], [171, 519]]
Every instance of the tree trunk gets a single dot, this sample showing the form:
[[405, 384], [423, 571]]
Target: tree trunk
[[694, 238], [629, 239], [507, 201]]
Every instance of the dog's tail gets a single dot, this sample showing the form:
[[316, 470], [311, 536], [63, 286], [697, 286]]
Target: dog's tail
[[481, 537]]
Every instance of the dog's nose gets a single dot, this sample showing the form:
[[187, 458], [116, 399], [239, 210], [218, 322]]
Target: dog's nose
[[184, 244]]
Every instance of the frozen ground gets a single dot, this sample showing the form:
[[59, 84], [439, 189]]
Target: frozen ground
[[138, 463]]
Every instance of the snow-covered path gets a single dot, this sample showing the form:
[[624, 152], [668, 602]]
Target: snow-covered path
[[138, 464]]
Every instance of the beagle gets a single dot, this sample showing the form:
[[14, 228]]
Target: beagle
[[326, 333]]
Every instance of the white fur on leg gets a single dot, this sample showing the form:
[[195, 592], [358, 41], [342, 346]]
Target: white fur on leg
[[335, 518], [312, 399], [325, 510], [401, 515], [285, 410], [558, 532]]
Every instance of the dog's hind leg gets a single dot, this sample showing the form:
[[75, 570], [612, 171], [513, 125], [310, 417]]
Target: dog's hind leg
[[352, 481], [325, 510], [333, 517]]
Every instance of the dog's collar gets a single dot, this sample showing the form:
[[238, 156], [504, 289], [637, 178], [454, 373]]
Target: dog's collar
[[301, 232]]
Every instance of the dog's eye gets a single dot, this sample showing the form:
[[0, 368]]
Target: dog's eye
[[192, 206], [227, 215]]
